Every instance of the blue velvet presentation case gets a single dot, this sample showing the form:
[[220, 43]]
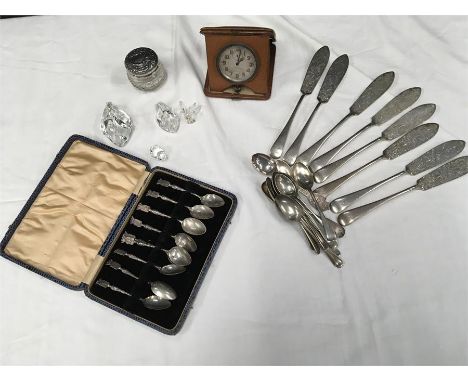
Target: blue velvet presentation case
[[97, 233]]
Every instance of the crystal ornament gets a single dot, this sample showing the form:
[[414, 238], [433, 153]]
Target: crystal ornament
[[189, 112], [166, 118], [159, 153], [116, 125]]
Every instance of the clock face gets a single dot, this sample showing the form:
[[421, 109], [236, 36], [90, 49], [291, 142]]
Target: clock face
[[237, 63]]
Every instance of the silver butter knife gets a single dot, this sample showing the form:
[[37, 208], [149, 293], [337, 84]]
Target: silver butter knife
[[443, 174], [371, 94], [430, 159], [314, 72], [331, 82]]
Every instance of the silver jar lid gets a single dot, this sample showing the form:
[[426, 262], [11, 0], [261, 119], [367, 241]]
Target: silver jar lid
[[141, 61]]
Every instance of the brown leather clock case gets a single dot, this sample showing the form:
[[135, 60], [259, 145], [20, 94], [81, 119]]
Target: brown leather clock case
[[260, 41]]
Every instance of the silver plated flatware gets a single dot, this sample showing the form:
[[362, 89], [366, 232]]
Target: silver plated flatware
[[391, 109], [430, 159], [314, 72], [168, 270], [331, 82], [407, 122], [189, 225], [199, 211], [371, 94], [181, 239], [406, 143], [163, 290], [210, 200], [443, 174], [155, 303], [293, 211]]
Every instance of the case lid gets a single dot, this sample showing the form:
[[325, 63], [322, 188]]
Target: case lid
[[67, 221]]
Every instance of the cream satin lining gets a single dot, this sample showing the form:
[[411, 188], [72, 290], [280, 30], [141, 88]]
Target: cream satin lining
[[68, 222]]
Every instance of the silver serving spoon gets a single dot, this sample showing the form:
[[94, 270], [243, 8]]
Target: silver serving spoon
[[331, 82], [293, 211], [406, 143], [181, 239], [190, 225], [168, 270], [400, 127], [430, 159], [391, 109], [163, 290], [210, 200], [155, 303], [176, 255], [371, 94], [316, 67], [305, 179], [199, 211], [443, 174]]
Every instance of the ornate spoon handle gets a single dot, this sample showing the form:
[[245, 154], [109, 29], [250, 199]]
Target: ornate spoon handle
[[348, 217], [106, 284], [324, 173], [340, 204], [324, 159], [115, 265], [155, 194], [277, 148], [328, 188]]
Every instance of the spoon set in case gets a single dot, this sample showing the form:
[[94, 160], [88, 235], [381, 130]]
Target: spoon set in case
[[135, 239]]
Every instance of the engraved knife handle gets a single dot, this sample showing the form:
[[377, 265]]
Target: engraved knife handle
[[324, 159], [329, 187], [293, 150], [277, 148], [307, 156], [325, 172], [340, 204], [348, 217]]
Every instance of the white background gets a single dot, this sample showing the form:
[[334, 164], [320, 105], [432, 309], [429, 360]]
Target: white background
[[401, 297]]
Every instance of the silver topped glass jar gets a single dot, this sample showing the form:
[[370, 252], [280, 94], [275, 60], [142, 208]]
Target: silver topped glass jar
[[144, 70]]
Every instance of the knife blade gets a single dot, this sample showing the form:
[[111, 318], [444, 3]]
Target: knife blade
[[372, 93], [409, 121], [333, 78], [411, 140], [315, 70], [443, 174], [435, 157], [395, 106]]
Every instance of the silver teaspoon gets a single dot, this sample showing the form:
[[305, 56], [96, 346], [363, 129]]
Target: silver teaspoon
[[210, 200], [168, 270], [199, 211], [181, 239], [430, 159], [293, 211], [190, 225], [443, 174]]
